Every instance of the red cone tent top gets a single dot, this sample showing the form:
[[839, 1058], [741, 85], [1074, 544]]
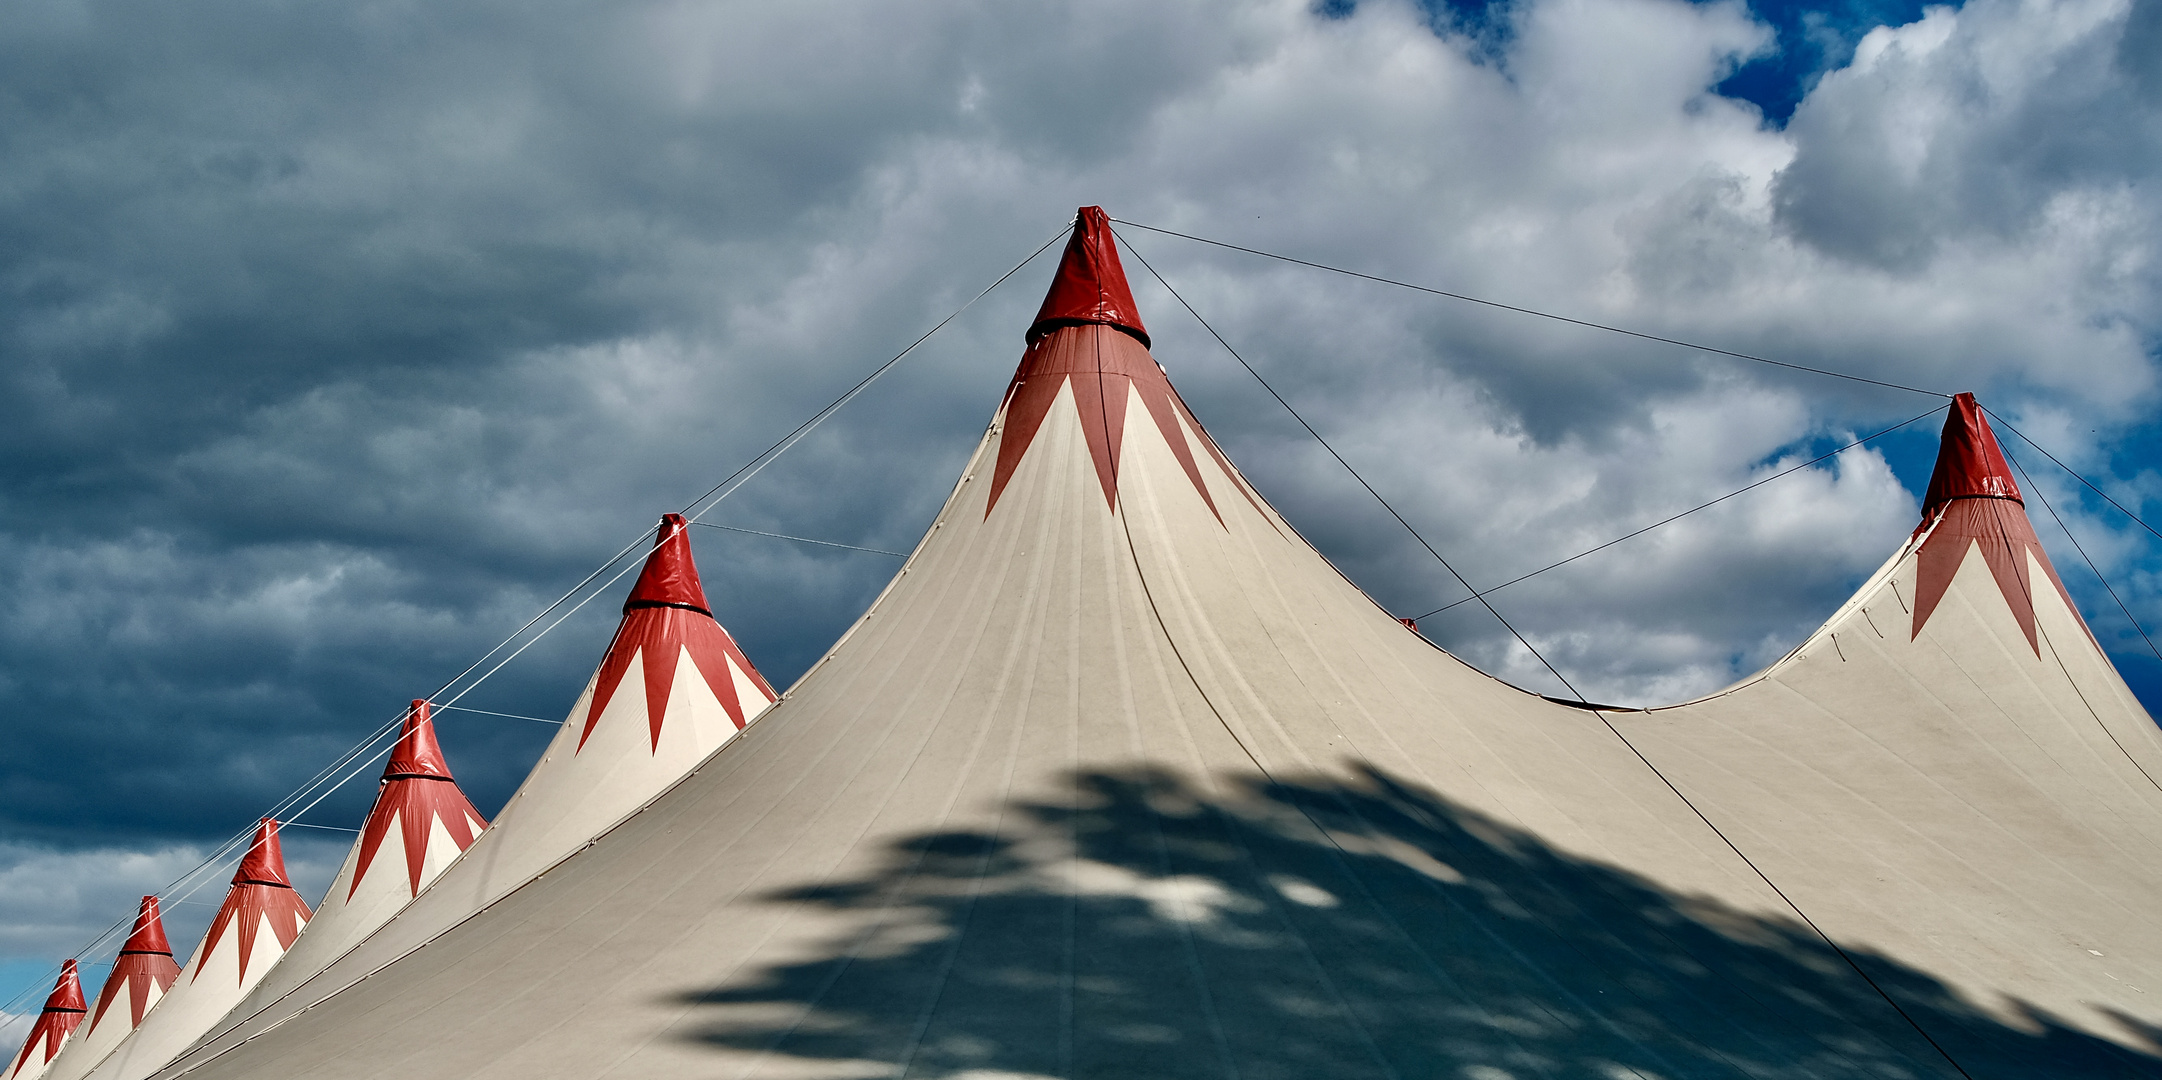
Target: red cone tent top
[[1069, 352], [261, 893], [1090, 286], [149, 933], [419, 796], [264, 864], [416, 756], [670, 578], [64, 1010], [665, 618], [1973, 503], [1970, 464], [141, 975]]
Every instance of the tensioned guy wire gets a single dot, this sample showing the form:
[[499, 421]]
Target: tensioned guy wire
[[1588, 324], [757, 464], [2084, 557], [1600, 713], [1686, 513], [802, 539], [346, 762], [505, 715], [718, 492], [2007, 425]]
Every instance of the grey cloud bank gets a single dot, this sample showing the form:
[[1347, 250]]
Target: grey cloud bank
[[339, 340]]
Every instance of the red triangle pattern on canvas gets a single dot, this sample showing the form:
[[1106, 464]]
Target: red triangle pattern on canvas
[[260, 890], [146, 960], [417, 791], [1105, 370], [2000, 528], [666, 617], [1088, 336], [63, 1013], [1973, 502]]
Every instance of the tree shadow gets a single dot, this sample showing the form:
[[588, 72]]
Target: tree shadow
[[1331, 929]]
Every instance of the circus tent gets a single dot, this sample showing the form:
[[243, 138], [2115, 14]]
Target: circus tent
[[256, 924], [1119, 777], [63, 1013]]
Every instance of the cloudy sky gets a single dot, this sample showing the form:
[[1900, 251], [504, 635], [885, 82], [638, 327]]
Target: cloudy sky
[[337, 340]]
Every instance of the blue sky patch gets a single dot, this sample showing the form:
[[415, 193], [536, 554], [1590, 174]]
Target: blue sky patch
[[1813, 38]]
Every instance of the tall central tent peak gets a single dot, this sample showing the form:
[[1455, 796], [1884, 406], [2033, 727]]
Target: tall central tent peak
[[257, 923], [1088, 346], [1970, 464], [63, 1013], [1973, 503], [665, 618], [142, 974], [1090, 285]]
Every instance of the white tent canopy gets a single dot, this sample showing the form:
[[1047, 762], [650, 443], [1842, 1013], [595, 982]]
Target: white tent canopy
[[1119, 777]]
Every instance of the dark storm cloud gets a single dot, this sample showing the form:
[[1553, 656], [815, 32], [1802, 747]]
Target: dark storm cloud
[[339, 340]]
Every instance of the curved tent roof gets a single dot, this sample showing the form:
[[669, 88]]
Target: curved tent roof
[[257, 922], [141, 975], [63, 1013], [1119, 777], [672, 687]]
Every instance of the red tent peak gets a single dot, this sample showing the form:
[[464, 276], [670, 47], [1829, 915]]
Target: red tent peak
[[1970, 464], [670, 578], [63, 1013], [417, 806], [149, 933], [67, 995], [417, 757], [264, 864], [1090, 286]]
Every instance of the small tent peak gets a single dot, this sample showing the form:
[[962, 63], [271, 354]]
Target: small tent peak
[[149, 933], [417, 756], [419, 794], [64, 1009], [1970, 464], [670, 578], [264, 864], [1090, 286], [67, 995]]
